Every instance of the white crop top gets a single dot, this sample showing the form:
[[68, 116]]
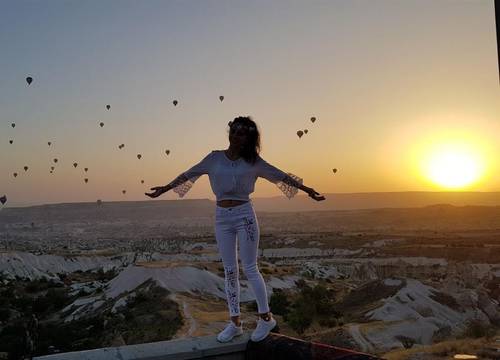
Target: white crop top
[[235, 179]]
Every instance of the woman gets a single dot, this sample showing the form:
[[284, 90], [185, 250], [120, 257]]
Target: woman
[[232, 173]]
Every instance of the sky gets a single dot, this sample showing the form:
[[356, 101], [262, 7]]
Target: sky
[[391, 83]]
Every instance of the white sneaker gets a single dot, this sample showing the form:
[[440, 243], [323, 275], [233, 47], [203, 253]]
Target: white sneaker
[[229, 332], [263, 328]]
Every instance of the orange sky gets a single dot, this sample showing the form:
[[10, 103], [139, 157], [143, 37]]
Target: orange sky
[[388, 82]]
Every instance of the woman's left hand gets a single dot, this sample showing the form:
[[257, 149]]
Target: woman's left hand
[[314, 194]]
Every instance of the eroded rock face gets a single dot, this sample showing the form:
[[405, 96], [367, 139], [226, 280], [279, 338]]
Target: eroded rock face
[[422, 314], [489, 306]]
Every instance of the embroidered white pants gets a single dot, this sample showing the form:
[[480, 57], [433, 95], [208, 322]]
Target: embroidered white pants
[[240, 222]]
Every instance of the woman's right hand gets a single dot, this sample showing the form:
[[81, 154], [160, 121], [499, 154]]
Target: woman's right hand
[[157, 191]]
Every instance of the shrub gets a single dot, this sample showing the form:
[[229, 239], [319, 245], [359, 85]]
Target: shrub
[[279, 302], [477, 329], [57, 297], [4, 314], [406, 341], [301, 283], [301, 316], [266, 270], [12, 340], [310, 303], [328, 322]]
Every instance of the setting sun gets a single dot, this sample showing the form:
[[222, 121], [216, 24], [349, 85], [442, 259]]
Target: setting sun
[[453, 166]]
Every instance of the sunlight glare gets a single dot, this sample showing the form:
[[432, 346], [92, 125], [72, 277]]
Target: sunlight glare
[[453, 166]]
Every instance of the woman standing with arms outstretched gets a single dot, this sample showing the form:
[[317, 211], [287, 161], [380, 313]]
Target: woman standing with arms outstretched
[[232, 173]]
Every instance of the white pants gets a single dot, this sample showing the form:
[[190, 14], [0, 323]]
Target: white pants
[[240, 222]]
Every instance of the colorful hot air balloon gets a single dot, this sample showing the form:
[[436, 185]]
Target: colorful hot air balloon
[[221, 98], [75, 165], [52, 168], [334, 170], [26, 168], [108, 107], [11, 141], [49, 143], [300, 133], [3, 199], [86, 180], [167, 152], [175, 102], [139, 156], [313, 119], [101, 124], [15, 174], [305, 131], [29, 79], [86, 169], [13, 125], [55, 160]]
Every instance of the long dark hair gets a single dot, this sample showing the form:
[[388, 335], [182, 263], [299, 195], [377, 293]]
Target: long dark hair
[[251, 149]]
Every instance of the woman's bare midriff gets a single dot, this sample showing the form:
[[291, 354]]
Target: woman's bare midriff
[[230, 203]]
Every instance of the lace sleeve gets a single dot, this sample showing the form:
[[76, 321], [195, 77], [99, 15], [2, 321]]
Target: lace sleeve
[[290, 185], [182, 184]]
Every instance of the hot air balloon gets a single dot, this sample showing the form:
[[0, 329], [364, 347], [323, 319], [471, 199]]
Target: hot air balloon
[[75, 165], [13, 125], [101, 124], [108, 107], [175, 102], [49, 143], [86, 180], [305, 131], [334, 170], [124, 191], [139, 156], [51, 171], [167, 152], [3, 199], [221, 98], [121, 146], [52, 168], [99, 202], [142, 181], [55, 160], [29, 79], [26, 168], [300, 133], [15, 174], [11, 141], [86, 169], [313, 119]]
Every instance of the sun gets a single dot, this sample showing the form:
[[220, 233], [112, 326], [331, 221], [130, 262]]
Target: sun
[[453, 166]]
